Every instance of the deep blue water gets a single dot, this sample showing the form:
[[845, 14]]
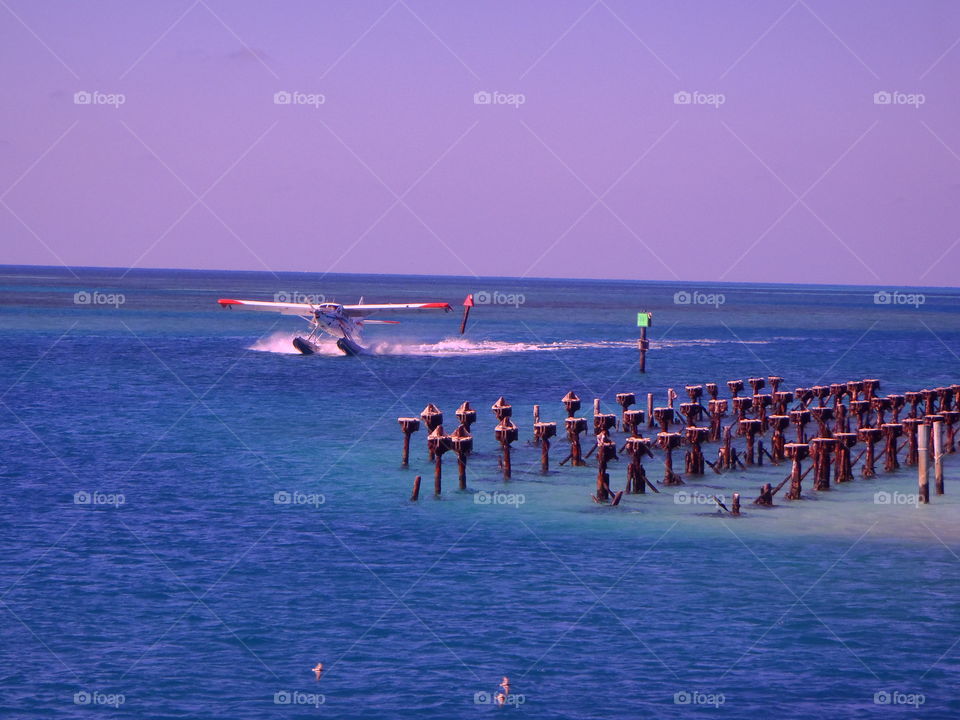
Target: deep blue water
[[200, 596]]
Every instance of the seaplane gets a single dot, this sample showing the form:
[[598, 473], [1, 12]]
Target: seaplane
[[344, 322]]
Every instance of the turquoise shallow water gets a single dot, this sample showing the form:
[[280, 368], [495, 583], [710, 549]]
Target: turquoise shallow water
[[200, 596]]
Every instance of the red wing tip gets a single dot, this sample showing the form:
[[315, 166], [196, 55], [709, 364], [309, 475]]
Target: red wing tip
[[227, 301], [439, 306]]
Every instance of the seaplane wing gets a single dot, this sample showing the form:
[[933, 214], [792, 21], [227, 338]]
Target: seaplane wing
[[364, 310], [280, 307]]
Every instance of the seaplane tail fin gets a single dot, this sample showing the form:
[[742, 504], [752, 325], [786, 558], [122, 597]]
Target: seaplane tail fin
[[265, 306], [364, 310]]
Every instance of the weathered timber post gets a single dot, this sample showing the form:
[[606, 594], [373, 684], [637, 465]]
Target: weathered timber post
[[574, 427], [870, 436], [843, 470], [543, 431], [796, 452], [717, 410], [668, 442], [820, 450], [891, 431], [637, 448], [432, 419], [779, 424], [505, 433], [408, 426], [438, 444], [750, 427], [461, 442]]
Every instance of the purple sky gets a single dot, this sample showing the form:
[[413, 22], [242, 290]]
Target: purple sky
[[797, 177]]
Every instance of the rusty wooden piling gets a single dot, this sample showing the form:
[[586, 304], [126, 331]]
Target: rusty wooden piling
[[461, 442], [606, 451], [632, 420], [779, 424], [820, 450], [501, 409], [891, 432], [735, 386], [625, 400], [741, 405], [571, 403], [717, 410], [668, 442], [950, 418], [438, 444], [408, 426], [637, 448], [911, 428], [691, 412], [695, 436], [912, 399], [575, 426], [937, 428], [466, 416], [663, 417], [432, 418], [735, 505], [416, 489], [843, 470], [543, 431], [749, 428], [923, 478], [766, 495], [896, 406], [859, 409], [797, 452], [822, 414], [781, 402], [869, 436], [650, 410], [505, 433]]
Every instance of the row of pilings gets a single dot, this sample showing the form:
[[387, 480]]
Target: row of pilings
[[842, 429]]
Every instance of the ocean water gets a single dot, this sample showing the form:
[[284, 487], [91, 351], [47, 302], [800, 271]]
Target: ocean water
[[152, 568]]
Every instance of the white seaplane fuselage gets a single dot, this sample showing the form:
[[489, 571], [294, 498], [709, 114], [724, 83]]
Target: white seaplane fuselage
[[343, 322]]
